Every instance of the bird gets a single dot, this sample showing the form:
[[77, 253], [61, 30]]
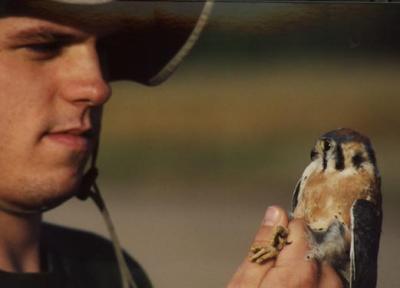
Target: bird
[[339, 198]]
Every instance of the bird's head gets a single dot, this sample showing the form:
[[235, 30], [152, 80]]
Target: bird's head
[[344, 148]]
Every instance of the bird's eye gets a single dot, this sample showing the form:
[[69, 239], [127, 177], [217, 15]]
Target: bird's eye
[[313, 154], [327, 145]]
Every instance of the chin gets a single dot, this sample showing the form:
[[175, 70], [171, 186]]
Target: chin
[[58, 192], [55, 198], [44, 193]]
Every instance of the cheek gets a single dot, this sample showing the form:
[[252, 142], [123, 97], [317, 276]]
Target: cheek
[[24, 98], [21, 79], [25, 104], [28, 108]]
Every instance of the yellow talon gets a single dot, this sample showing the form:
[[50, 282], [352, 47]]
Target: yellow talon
[[260, 253]]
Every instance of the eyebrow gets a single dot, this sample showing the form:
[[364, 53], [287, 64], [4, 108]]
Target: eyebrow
[[45, 33]]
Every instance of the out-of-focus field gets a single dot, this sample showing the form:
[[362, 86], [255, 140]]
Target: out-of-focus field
[[189, 167]]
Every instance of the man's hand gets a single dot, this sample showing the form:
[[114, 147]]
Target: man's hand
[[291, 268]]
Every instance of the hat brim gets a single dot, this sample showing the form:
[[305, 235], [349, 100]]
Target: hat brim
[[145, 41]]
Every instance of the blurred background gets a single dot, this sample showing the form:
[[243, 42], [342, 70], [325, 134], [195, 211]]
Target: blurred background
[[189, 167]]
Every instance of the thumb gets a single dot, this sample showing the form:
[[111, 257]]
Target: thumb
[[250, 274], [275, 215]]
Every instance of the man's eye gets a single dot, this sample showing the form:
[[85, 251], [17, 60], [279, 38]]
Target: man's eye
[[46, 49]]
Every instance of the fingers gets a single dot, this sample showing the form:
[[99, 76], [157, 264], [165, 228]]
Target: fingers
[[250, 274], [292, 268], [298, 248], [300, 270]]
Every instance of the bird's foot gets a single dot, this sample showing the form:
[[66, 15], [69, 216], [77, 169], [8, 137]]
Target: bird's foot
[[262, 253]]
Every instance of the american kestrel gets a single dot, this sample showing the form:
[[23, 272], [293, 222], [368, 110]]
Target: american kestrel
[[339, 198]]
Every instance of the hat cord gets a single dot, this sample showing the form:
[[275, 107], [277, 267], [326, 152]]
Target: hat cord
[[126, 276], [89, 188]]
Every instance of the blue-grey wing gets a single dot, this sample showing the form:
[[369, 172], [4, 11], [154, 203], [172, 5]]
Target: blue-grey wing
[[366, 222]]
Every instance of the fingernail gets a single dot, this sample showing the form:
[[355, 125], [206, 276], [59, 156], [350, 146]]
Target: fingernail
[[271, 216]]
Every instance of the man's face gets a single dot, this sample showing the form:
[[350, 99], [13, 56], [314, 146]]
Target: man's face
[[51, 93]]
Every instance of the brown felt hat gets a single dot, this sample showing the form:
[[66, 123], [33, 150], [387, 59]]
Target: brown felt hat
[[146, 40]]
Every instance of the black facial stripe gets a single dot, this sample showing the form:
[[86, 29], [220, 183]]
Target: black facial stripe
[[339, 158], [357, 160], [313, 154], [326, 148]]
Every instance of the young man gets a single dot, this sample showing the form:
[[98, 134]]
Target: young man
[[56, 61]]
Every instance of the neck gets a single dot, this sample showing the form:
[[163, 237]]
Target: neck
[[19, 242]]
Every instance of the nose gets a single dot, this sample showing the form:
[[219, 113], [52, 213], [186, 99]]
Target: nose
[[82, 76]]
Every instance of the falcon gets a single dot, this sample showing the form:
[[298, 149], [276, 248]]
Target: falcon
[[339, 198]]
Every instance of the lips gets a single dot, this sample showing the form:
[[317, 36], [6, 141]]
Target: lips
[[79, 139]]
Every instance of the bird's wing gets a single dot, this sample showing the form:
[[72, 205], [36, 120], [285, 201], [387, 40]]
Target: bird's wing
[[295, 197], [366, 221]]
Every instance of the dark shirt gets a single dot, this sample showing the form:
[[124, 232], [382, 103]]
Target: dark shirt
[[75, 259]]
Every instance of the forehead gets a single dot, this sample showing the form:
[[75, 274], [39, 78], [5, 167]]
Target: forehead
[[356, 147], [94, 20], [20, 28]]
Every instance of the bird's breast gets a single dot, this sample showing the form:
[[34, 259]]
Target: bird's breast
[[327, 196]]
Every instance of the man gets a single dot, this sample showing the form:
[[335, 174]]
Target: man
[[56, 61]]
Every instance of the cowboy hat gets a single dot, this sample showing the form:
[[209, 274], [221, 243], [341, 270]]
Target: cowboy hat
[[147, 39]]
